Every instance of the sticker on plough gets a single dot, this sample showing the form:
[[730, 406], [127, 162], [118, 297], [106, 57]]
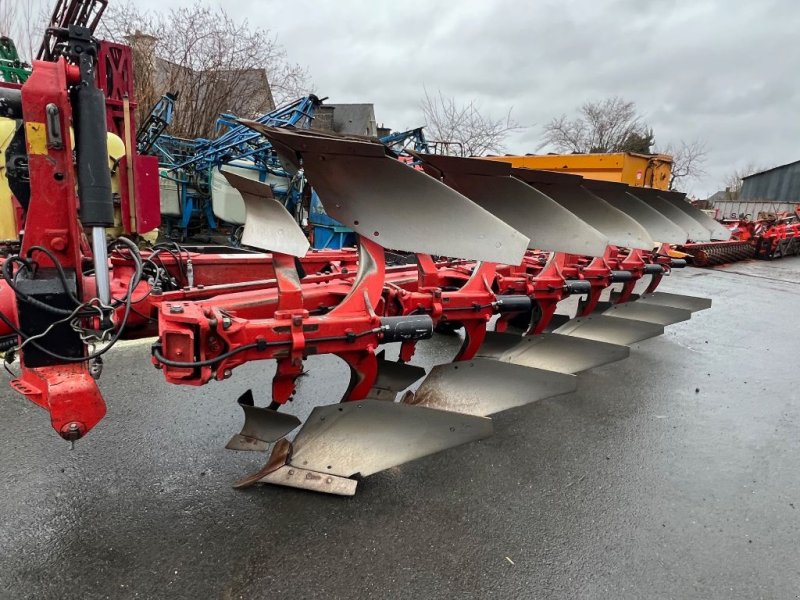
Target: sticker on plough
[[483, 386], [361, 438], [489, 184], [551, 351], [398, 207], [660, 228]]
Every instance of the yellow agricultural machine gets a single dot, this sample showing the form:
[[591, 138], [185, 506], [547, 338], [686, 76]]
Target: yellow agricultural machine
[[640, 170]]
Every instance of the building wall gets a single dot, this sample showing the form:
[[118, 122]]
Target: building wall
[[323, 118], [781, 184], [725, 209]]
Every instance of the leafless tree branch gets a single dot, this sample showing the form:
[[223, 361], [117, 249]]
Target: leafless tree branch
[[463, 128], [214, 63], [24, 21], [610, 125], [732, 182], [688, 161]]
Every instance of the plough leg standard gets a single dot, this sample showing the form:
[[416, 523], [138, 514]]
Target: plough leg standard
[[496, 250]]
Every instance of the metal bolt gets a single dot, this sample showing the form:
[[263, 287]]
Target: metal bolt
[[226, 374], [71, 432], [175, 309]]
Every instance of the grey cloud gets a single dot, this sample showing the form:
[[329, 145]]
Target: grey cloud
[[722, 72]]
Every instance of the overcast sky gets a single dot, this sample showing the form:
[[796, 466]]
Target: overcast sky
[[724, 72]]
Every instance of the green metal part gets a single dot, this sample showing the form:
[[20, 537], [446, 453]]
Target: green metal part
[[12, 68]]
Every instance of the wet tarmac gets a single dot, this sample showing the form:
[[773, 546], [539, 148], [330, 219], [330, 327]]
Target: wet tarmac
[[671, 474]]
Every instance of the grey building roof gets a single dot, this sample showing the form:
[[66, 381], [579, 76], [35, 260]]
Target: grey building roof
[[779, 184]]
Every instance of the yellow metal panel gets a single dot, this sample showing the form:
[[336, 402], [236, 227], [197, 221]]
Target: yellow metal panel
[[36, 136], [651, 170], [8, 227], [116, 150]]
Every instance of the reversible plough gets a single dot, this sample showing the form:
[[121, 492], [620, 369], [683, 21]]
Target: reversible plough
[[495, 251]]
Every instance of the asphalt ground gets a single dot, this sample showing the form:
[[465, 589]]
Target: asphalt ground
[[671, 474]]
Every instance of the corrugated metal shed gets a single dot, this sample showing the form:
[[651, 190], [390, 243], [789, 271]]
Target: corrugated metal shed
[[780, 184]]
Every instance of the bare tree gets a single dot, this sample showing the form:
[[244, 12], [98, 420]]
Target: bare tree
[[688, 161], [24, 21], [214, 63], [733, 180], [610, 125], [462, 129], [287, 81]]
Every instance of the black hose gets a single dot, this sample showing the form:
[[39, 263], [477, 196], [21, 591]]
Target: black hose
[[134, 282]]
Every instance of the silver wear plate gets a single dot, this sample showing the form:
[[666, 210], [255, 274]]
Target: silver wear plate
[[368, 436], [660, 228], [653, 313], [549, 225], [696, 231], [393, 377], [268, 225], [278, 471], [563, 353], [556, 321], [295, 477], [483, 386], [613, 330], [262, 426], [690, 303], [718, 231], [551, 351], [620, 229], [495, 344], [396, 206]]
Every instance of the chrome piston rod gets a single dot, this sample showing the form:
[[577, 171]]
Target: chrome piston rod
[[101, 271]]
